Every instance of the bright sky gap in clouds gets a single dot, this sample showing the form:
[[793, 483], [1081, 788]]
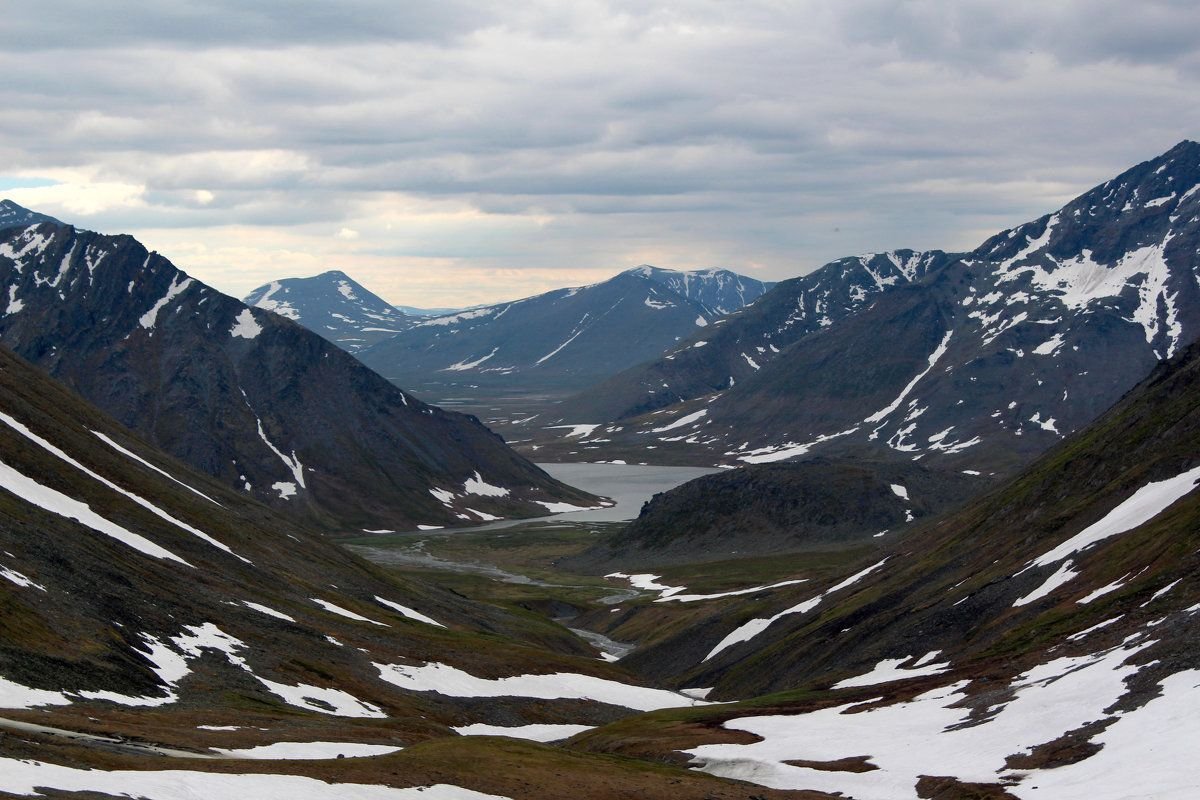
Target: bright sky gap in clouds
[[466, 151]]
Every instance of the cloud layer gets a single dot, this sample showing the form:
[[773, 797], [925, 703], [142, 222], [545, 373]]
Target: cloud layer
[[455, 152]]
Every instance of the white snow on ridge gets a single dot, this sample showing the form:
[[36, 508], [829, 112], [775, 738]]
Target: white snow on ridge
[[14, 305], [1050, 346], [1139, 508], [1079, 281], [146, 504], [900, 491], [478, 486], [695, 598], [474, 313], [464, 365], [536, 732], [297, 751], [292, 462], [20, 579], [684, 420], [177, 287], [245, 326], [145, 463], [940, 351], [14, 695], [270, 612], [927, 736], [582, 430], [27, 777], [890, 669], [345, 612], [56, 502], [748, 630], [408, 612], [1061, 576], [453, 682]]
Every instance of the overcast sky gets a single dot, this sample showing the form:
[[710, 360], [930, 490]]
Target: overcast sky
[[465, 151]]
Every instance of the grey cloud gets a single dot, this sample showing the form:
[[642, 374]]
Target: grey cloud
[[222, 23], [778, 133]]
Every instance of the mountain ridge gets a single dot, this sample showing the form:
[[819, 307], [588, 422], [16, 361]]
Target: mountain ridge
[[247, 395]]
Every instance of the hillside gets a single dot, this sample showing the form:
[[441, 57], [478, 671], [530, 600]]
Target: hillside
[[248, 396], [165, 636], [1037, 643]]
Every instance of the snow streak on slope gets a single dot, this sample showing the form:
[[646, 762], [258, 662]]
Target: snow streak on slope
[[46, 498], [146, 504]]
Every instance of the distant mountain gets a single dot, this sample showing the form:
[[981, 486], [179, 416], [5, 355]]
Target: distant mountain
[[561, 339], [983, 362], [413, 311], [333, 305], [12, 214], [721, 290], [248, 396], [718, 358]]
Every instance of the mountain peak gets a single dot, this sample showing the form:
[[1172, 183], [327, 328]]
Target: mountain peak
[[12, 214], [332, 305]]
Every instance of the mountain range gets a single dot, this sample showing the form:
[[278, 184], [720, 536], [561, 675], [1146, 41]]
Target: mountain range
[[561, 340], [249, 396], [979, 360]]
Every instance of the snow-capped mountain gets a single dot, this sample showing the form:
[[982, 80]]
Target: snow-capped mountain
[[333, 305], [721, 290], [561, 339], [985, 361], [249, 396], [12, 214]]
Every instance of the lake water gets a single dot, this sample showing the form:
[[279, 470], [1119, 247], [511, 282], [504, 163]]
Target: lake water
[[630, 485]]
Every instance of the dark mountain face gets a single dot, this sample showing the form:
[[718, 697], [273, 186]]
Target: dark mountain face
[[248, 396], [987, 360], [739, 345], [333, 305], [558, 340]]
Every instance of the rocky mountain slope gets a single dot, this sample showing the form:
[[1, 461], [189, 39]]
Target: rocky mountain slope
[[166, 636], [248, 396], [984, 362], [563, 339], [1038, 643], [333, 305]]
